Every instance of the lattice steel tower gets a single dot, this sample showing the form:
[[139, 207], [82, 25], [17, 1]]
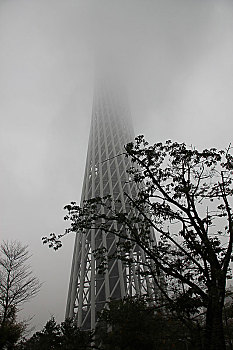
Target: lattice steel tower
[[105, 174]]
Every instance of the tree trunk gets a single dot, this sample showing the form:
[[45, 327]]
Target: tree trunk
[[214, 334]]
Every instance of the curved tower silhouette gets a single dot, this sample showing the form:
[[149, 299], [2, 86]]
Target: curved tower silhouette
[[105, 174]]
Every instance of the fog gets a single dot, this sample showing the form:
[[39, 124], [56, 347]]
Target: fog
[[177, 60]]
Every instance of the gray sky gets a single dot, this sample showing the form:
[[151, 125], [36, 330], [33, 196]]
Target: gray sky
[[178, 59]]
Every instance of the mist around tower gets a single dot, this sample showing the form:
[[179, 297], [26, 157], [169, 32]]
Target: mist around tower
[[170, 64]]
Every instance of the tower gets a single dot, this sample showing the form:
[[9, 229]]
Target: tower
[[105, 174]]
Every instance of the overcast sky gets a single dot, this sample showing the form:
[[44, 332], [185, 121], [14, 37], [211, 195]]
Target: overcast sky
[[177, 56]]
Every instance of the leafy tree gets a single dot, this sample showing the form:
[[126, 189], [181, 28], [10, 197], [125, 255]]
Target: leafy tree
[[185, 196], [48, 338], [10, 331], [126, 325], [73, 338], [132, 324], [55, 336]]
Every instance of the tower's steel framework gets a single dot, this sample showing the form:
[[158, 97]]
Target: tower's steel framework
[[105, 174]]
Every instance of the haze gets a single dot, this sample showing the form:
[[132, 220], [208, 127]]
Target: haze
[[177, 57]]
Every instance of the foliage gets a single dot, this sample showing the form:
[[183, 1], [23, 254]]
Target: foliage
[[10, 331], [133, 324], [130, 324], [55, 336], [184, 196]]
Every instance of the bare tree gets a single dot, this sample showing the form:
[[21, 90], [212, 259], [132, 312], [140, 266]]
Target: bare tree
[[17, 282]]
